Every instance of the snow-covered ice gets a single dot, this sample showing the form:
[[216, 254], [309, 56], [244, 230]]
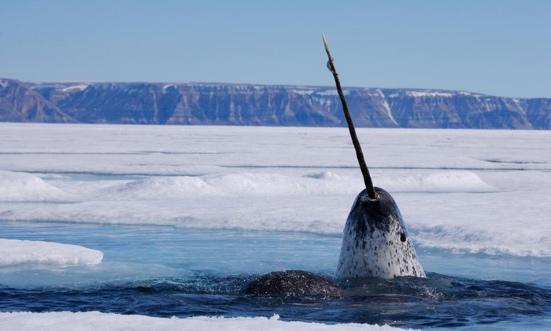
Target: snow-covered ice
[[17, 252], [18, 186], [96, 321], [461, 190]]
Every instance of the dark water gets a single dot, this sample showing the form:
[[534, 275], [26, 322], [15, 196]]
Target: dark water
[[439, 301], [163, 271]]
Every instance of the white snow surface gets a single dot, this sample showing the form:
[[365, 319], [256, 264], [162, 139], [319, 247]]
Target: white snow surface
[[75, 88], [432, 93], [324, 93], [332, 92], [17, 252], [167, 86], [96, 321], [271, 184], [303, 91], [461, 190], [428, 93], [17, 186]]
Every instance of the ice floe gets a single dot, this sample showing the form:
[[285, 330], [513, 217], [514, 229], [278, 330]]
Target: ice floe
[[17, 252], [96, 321]]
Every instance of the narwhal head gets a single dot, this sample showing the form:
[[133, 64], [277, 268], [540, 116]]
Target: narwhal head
[[375, 241]]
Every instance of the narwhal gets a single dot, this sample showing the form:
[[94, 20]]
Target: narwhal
[[375, 241]]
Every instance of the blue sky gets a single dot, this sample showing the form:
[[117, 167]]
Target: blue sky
[[490, 46]]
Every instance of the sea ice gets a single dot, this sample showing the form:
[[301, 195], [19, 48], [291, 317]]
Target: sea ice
[[96, 321], [16, 252], [460, 190], [18, 186]]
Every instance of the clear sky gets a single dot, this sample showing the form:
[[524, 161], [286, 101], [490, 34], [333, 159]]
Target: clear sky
[[497, 47]]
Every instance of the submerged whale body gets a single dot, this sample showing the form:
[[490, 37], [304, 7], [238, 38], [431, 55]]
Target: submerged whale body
[[293, 283], [375, 241]]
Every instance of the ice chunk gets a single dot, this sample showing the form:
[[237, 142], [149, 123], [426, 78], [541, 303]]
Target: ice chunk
[[96, 321], [15, 252]]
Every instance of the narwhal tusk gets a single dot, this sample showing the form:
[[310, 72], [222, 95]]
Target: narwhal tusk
[[359, 154]]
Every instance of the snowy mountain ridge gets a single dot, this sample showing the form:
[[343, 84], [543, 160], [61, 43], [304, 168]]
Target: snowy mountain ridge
[[271, 105]]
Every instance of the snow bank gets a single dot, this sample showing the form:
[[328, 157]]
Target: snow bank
[[16, 186], [153, 188], [96, 321], [273, 184], [14, 252], [441, 182]]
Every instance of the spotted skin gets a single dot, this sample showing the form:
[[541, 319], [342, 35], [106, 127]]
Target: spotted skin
[[375, 241]]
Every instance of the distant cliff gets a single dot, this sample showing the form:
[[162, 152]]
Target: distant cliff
[[244, 104]]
